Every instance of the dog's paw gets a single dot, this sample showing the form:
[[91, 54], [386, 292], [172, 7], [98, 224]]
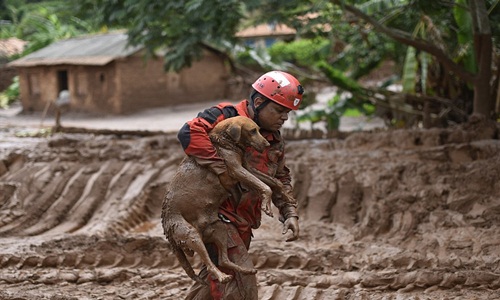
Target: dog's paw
[[267, 210], [249, 271], [225, 278]]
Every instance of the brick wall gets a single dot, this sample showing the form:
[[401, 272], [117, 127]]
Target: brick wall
[[146, 84]]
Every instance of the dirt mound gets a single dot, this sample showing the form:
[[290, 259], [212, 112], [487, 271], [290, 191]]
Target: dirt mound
[[405, 214]]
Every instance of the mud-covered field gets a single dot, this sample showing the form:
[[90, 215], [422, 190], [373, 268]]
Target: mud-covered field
[[406, 214]]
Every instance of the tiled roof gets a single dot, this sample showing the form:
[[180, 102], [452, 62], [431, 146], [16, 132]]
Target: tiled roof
[[264, 30], [11, 46]]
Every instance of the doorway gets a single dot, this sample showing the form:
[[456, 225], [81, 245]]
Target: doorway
[[62, 80]]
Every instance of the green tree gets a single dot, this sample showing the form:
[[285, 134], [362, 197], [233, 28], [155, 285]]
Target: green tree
[[184, 27], [477, 37], [40, 22], [427, 37]]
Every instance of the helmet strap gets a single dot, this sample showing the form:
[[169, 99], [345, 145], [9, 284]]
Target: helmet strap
[[255, 109]]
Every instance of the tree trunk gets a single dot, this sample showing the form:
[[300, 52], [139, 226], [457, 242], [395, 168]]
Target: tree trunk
[[483, 101], [497, 109]]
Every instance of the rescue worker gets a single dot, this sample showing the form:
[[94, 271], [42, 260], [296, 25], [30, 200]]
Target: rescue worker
[[273, 96]]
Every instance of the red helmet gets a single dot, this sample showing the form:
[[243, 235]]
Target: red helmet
[[281, 88]]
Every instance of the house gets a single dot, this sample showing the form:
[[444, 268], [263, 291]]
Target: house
[[264, 35], [106, 76]]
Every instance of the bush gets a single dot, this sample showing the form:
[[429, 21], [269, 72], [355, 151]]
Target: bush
[[305, 52], [10, 94]]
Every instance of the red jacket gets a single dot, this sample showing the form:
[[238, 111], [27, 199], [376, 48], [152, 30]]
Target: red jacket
[[195, 141]]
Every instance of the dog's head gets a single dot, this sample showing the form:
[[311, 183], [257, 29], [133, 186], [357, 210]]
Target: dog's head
[[243, 131]]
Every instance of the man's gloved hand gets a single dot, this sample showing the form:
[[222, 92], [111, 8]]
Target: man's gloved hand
[[292, 224]]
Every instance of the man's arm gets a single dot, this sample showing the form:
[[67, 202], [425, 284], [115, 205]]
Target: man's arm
[[287, 206], [195, 141], [288, 214]]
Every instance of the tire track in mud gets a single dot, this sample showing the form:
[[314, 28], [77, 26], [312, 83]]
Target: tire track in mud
[[42, 199], [273, 283], [90, 199], [321, 272], [71, 196]]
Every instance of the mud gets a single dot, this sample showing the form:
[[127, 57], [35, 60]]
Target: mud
[[405, 214]]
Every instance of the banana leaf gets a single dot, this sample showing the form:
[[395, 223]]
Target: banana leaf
[[410, 70], [465, 35], [338, 78]]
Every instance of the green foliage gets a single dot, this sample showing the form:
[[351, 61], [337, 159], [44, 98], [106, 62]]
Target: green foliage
[[40, 23], [340, 105], [338, 78], [183, 27], [10, 94], [459, 43], [351, 99], [245, 58], [410, 70], [465, 36], [349, 49], [365, 50], [32, 133], [303, 52], [258, 57], [494, 15]]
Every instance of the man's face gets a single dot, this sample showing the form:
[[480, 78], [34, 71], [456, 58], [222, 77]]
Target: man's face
[[272, 116]]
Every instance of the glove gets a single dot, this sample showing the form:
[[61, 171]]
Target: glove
[[292, 224]]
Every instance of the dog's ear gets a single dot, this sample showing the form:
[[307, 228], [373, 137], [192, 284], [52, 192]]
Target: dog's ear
[[234, 132]]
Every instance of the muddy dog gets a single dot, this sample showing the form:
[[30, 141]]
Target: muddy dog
[[191, 203]]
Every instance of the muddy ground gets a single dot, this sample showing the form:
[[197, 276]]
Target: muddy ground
[[401, 214]]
